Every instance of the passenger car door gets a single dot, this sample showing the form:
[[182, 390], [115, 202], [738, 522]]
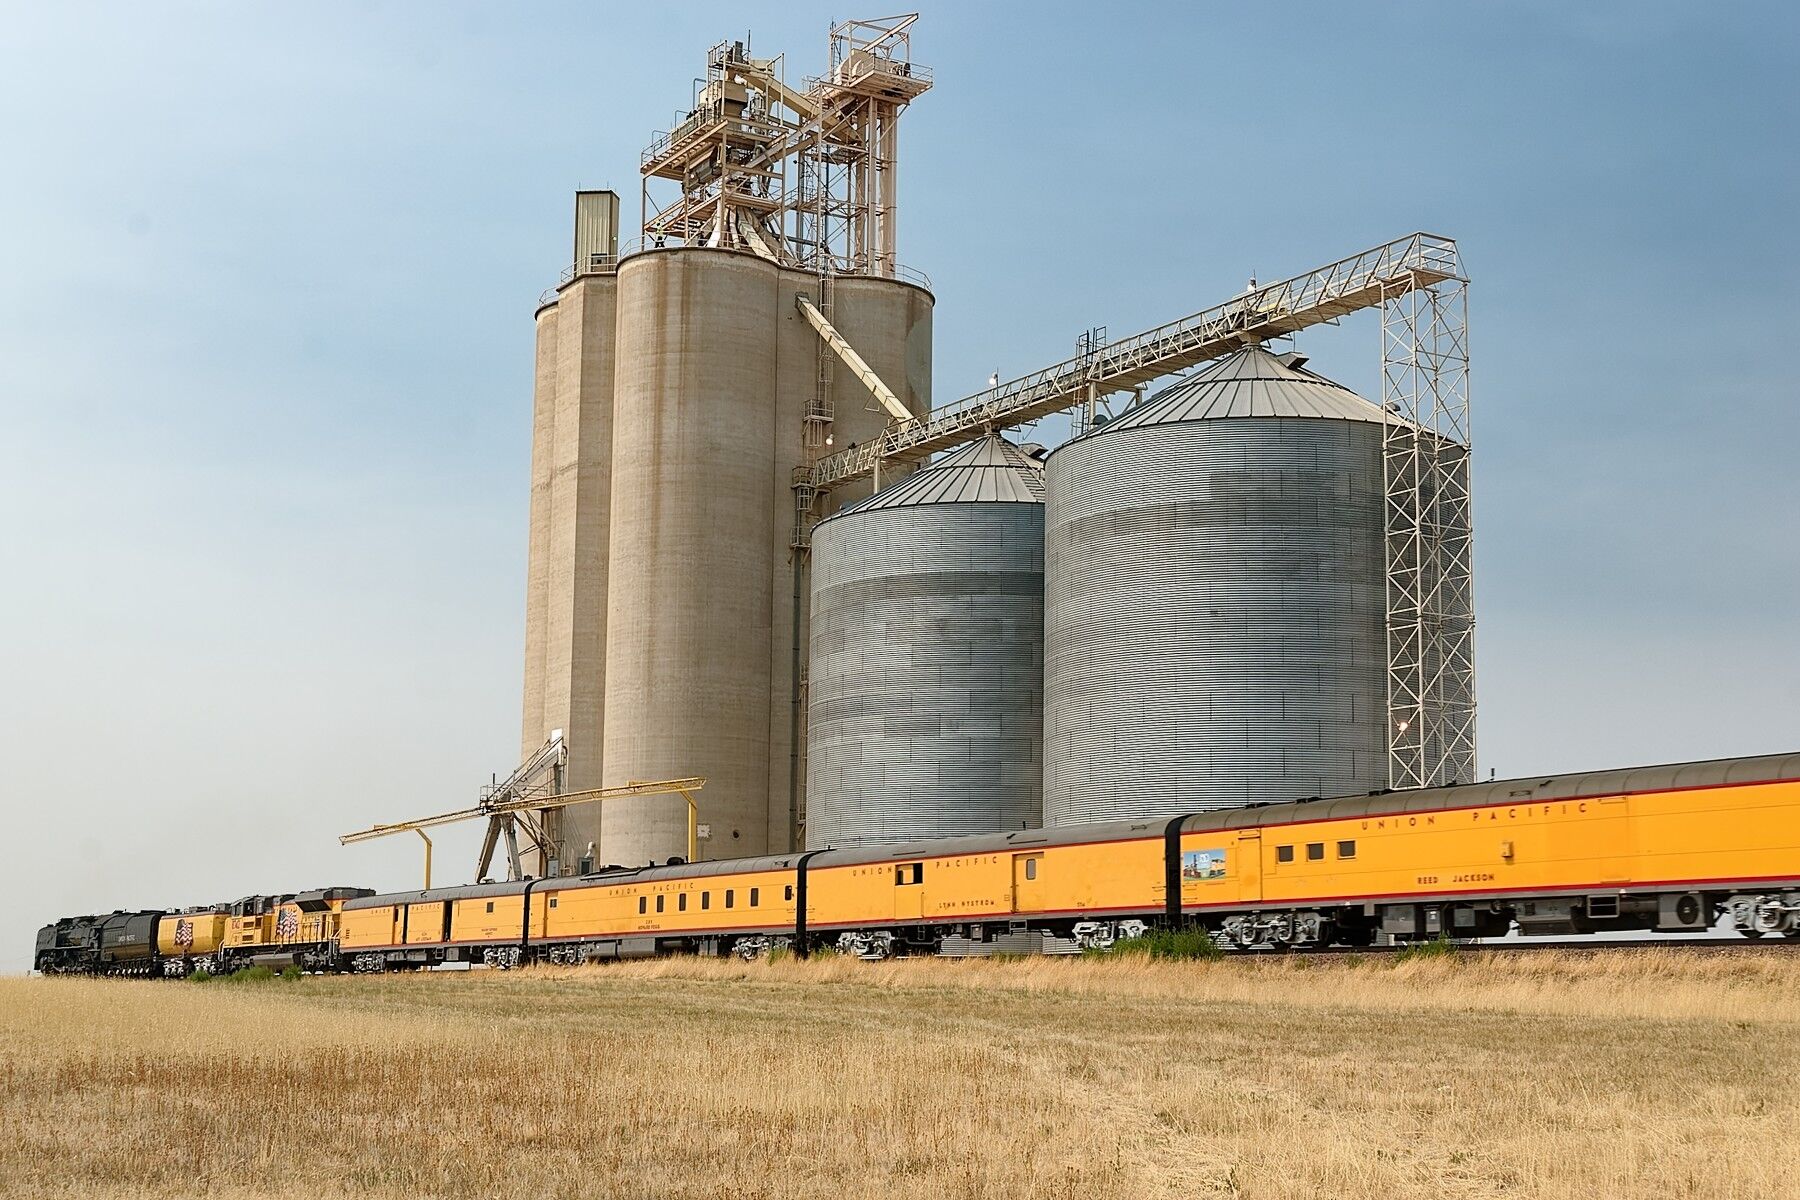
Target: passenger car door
[[1028, 885], [1249, 865], [909, 891]]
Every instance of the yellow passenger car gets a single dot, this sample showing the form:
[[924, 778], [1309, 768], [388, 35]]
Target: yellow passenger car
[[708, 908], [1667, 849]]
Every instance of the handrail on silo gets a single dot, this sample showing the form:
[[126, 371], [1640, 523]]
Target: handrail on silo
[[597, 264]]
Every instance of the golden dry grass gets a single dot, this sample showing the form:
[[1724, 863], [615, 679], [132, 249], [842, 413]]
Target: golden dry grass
[[1623, 1075]]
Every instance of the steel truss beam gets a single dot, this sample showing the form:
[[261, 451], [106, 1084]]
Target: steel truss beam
[[531, 801], [1349, 285]]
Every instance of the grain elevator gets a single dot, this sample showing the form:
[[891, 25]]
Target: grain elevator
[[760, 556], [762, 319]]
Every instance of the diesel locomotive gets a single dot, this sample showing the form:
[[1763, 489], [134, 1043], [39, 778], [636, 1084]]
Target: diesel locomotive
[[299, 929], [1670, 849]]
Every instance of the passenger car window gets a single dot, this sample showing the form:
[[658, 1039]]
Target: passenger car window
[[553, 902], [659, 904], [787, 893], [643, 903], [681, 902], [1315, 851], [730, 896], [1284, 854], [490, 906], [705, 901], [755, 897], [1346, 849]]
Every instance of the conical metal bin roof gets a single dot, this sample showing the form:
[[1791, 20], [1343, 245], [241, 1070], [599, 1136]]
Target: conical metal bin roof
[[1249, 383], [991, 470]]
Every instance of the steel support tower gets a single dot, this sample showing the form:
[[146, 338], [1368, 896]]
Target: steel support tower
[[1430, 583], [721, 176]]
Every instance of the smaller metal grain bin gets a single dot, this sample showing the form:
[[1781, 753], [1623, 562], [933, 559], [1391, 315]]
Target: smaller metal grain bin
[[925, 688]]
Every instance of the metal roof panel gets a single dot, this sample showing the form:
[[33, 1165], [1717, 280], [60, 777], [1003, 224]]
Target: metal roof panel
[[989, 470], [1250, 383]]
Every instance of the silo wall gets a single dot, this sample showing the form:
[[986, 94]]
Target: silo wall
[[716, 366], [689, 610], [566, 572], [537, 558], [926, 683], [581, 521], [1214, 617]]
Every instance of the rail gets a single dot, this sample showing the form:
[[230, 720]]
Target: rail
[[912, 275], [608, 264], [597, 264], [1360, 281], [667, 146], [869, 65]]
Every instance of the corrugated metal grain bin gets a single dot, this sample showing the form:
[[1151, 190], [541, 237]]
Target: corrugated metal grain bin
[[1215, 599], [925, 691]]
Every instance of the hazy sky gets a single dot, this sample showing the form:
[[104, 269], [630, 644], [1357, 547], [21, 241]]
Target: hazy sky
[[266, 287]]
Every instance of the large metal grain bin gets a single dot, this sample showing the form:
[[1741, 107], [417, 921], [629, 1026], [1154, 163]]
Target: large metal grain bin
[[925, 709], [1214, 630]]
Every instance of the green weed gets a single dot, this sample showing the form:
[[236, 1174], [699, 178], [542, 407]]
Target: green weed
[[1190, 945], [1438, 947]]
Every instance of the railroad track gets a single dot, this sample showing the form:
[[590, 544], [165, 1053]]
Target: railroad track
[[1769, 945]]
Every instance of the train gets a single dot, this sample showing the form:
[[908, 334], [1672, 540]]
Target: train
[[1676, 849], [298, 929]]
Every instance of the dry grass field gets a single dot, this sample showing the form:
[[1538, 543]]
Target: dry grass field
[[1605, 1077]]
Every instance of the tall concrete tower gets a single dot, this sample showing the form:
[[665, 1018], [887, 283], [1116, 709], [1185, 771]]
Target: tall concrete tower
[[571, 502], [683, 391]]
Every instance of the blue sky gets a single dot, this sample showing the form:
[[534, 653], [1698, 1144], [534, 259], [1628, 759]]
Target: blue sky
[[266, 284]]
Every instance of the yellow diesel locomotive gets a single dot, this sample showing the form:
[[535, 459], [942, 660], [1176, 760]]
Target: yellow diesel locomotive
[[1671, 849]]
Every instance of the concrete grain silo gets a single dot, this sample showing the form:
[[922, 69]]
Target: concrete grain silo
[[571, 498], [925, 687], [1215, 598], [705, 619]]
